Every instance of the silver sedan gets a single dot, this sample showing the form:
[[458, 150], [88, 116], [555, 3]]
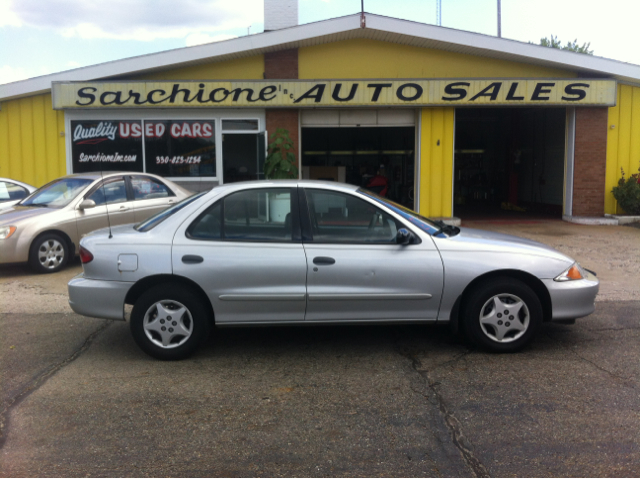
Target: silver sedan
[[45, 228], [304, 252]]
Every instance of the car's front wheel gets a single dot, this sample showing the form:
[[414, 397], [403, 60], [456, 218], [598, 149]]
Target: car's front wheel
[[502, 315], [49, 253], [169, 322]]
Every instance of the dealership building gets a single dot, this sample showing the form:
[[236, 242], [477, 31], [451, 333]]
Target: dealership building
[[460, 124]]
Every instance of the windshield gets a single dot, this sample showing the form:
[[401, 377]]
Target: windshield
[[425, 224], [58, 193], [158, 218]]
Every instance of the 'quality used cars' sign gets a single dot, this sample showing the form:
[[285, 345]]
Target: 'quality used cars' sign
[[333, 93]]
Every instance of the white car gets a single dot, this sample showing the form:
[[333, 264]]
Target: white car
[[12, 191]]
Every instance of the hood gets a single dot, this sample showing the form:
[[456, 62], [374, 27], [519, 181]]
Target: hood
[[470, 239], [8, 204], [17, 214]]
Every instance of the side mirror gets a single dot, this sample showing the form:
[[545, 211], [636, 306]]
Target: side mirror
[[404, 236], [87, 204]]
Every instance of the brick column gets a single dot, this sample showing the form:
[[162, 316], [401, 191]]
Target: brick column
[[590, 161], [283, 65]]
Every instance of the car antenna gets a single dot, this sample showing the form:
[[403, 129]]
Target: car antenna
[[106, 204]]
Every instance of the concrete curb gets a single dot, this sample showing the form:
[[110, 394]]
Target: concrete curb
[[589, 220], [624, 219]]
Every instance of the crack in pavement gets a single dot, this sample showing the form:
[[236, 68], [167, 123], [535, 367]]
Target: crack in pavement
[[460, 441], [39, 380]]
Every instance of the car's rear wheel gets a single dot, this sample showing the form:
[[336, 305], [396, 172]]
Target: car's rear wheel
[[49, 253], [169, 322], [502, 315]]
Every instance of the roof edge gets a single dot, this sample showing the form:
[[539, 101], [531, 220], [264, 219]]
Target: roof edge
[[293, 36]]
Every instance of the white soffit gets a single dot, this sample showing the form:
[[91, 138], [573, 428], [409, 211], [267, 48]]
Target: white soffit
[[338, 29]]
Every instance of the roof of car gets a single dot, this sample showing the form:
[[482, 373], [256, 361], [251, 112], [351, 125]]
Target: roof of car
[[285, 184], [94, 175]]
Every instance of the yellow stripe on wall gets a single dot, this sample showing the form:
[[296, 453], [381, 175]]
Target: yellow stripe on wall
[[623, 142], [365, 58], [247, 68], [436, 162], [31, 147]]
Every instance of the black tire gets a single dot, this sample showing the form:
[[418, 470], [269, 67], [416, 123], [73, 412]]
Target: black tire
[[49, 253], [169, 344], [487, 325]]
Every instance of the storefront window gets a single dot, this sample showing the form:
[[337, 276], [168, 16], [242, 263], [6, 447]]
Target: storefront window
[[180, 148], [243, 157], [216, 147], [106, 145]]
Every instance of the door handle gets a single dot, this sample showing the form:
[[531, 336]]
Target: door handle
[[123, 208], [171, 202], [192, 259], [323, 260]]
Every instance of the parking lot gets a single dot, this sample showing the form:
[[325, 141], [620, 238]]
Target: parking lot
[[80, 399]]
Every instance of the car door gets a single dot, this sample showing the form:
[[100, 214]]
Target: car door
[[150, 196], [245, 252], [110, 196], [357, 271]]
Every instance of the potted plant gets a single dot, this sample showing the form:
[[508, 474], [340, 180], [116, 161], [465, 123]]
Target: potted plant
[[627, 193], [280, 164]]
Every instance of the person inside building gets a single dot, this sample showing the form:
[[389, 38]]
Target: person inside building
[[379, 184]]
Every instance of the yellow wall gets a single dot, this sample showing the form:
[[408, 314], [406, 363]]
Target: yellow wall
[[623, 142], [31, 148], [436, 162], [362, 58], [248, 68]]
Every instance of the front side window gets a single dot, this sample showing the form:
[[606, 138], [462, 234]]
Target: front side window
[[254, 215], [11, 192], [343, 218], [110, 192], [58, 193], [425, 224]]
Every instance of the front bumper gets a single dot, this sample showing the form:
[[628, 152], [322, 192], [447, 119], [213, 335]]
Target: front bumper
[[98, 299], [572, 299]]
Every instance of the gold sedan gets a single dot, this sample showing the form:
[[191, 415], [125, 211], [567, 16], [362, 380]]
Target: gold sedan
[[46, 227]]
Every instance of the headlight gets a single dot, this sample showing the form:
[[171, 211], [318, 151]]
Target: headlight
[[572, 273], [6, 231]]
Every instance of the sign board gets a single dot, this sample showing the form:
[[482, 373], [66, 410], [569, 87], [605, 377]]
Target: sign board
[[176, 148], [333, 93]]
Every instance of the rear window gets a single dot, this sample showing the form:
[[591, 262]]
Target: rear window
[[158, 218]]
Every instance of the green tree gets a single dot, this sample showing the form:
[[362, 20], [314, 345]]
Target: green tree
[[573, 46]]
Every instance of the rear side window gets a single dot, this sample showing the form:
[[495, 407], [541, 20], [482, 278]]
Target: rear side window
[[156, 219], [148, 188], [256, 215]]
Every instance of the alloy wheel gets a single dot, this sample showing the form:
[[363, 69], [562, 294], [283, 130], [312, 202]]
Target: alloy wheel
[[504, 318], [51, 254], [168, 324]]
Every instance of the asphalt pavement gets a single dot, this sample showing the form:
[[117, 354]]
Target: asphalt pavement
[[78, 398]]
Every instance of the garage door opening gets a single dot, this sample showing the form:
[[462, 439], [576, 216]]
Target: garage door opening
[[509, 162], [381, 159]]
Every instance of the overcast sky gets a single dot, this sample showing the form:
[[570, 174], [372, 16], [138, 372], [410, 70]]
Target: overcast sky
[[38, 37]]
